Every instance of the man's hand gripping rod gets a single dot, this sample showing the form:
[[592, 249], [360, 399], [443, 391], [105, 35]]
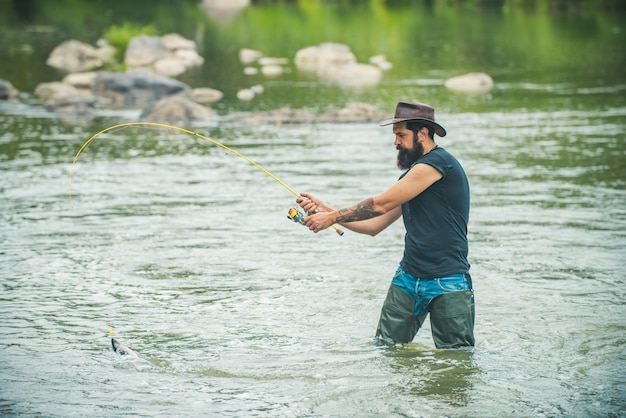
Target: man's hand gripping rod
[[298, 217]]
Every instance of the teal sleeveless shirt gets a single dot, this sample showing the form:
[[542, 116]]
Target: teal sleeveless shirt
[[435, 244]]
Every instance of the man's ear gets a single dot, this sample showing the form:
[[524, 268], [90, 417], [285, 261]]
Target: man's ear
[[422, 134]]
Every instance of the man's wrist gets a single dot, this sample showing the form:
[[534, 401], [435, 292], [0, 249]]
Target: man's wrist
[[335, 214]]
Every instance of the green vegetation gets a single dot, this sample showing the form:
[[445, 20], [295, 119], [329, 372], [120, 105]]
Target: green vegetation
[[119, 36], [515, 41]]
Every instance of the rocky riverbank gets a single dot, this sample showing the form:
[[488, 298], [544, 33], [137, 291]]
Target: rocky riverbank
[[151, 64]]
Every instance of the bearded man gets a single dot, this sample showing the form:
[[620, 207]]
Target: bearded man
[[432, 195]]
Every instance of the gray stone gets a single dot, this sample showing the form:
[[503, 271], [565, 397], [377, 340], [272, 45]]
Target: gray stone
[[136, 88], [7, 90], [177, 109], [315, 59], [66, 100], [471, 83], [352, 75], [205, 95], [169, 55], [224, 10], [145, 50], [336, 64], [56, 91], [74, 56]]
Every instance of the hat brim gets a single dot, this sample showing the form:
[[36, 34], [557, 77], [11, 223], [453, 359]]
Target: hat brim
[[439, 130]]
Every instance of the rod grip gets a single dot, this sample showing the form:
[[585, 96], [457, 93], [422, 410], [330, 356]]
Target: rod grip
[[338, 230]]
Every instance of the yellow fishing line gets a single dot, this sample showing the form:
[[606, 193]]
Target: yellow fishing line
[[186, 131]]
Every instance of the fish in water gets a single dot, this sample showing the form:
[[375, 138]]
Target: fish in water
[[121, 348]]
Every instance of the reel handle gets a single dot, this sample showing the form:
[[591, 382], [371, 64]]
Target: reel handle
[[298, 217]]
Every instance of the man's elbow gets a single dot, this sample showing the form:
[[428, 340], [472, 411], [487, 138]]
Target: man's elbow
[[383, 208]]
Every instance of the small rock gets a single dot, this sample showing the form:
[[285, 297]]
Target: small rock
[[472, 83], [224, 10], [82, 81], [190, 58], [169, 67], [381, 62], [316, 58], [257, 89], [174, 41], [205, 95], [7, 90], [272, 70], [273, 61], [250, 71], [245, 95], [248, 56], [352, 75]]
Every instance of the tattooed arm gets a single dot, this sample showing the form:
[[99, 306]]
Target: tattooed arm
[[359, 212], [372, 226], [418, 179], [363, 218]]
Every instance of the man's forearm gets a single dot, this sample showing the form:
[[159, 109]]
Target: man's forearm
[[359, 212]]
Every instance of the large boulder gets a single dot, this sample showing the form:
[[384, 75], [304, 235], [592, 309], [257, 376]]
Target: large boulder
[[144, 50], [169, 55], [315, 59], [335, 63], [75, 56], [54, 90], [136, 88], [66, 99]]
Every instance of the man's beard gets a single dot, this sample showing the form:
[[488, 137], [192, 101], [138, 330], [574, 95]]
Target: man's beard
[[406, 157]]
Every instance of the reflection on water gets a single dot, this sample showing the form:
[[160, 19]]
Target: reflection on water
[[444, 375]]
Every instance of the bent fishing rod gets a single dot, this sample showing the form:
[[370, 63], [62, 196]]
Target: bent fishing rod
[[293, 214]]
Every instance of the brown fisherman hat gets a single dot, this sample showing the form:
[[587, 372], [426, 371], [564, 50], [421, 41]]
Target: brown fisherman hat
[[421, 112]]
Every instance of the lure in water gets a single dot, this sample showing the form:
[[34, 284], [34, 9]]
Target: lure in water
[[121, 348]]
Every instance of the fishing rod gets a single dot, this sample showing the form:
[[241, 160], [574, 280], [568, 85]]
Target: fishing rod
[[291, 215]]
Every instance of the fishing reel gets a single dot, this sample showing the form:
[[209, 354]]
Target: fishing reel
[[298, 217]]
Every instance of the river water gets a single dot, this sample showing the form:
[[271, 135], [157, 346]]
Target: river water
[[186, 252]]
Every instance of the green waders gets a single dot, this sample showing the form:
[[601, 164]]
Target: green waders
[[451, 318]]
